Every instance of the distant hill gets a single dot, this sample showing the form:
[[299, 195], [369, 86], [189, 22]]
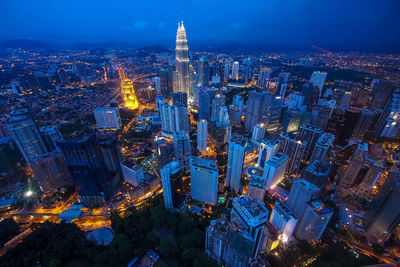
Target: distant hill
[[155, 48], [26, 44], [105, 45]]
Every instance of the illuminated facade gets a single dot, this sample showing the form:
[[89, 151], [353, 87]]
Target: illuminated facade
[[127, 91], [183, 83]]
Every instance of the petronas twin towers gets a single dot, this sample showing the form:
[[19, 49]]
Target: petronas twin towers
[[182, 75]]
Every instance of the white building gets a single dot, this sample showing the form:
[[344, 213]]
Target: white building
[[268, 149], [284, 220], [170, 179], [133, 174], [107, 118], [274, 170], [182, 149], [318, 79], [301, 192], [202, 134], [235, 70], [234, 166], [204, 180], [258, 132]]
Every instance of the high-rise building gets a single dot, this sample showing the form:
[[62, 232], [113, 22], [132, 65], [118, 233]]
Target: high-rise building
[[182, 149], [50, 135], [203, 72], [127, 90], [236, 110], [110, 153], [133, 174], [364, 123], [317, 172], [324, 143], [355, 165], [180, 97], [157, 84], [23, 130], [291, 121], [311, 95], [183, 84], [107, 118], [204, 180], [274, 169], [227, 68], [264, 76], [223, 115], [320, 116], [252, 214], [284, 220], [383, 215], [273, 114], [256, 108], [204, 105], [389, 122], [235, 151], [382, 90], [256, 188], [163, 151], [51, 172], [318, 79], [83, 158], [171, 180], [313, 223], [293, 147], [166, 82], [258, 132], [202, 134], [301, 192], [217, 103], [182, 118], [235, 71], [268, 148], [174, 118]]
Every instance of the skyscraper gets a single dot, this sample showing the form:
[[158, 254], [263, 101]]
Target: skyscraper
[[182, 62], [235, 71], [301, 192], [268, 148], [23, 130], [313, 223], [284, 220], [51, 135], [235, 151], [382, 91], [274, 170], [364, 123], [317, 172], [258, 132], [256, 188], [256, 108], [318, 79], [203, 72], [202, 134], [204, 105], [383, 215], [180, 97], [389, 122], [324, 143], [236, 110], [182, 150], [217, 103], [294, 147], [171, 180], [204, 180]]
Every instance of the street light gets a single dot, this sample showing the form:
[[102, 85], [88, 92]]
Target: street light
[[28, 193]]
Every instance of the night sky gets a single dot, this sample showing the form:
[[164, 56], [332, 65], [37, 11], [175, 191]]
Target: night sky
[[282, 22]]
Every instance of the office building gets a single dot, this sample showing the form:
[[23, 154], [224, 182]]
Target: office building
[[51, 172], [291, 121], [256, 187], [382, 91], [181, 118], [273, 115], [204, 105], [174, 118], [300, 193], [50, 135], [180, 97], [223, 115], [202, 134], [133, 174], [284, 220], [258, 132], [313, 223], [183, 83], [271, 238], [235, 71], [235, 151], [236, 110], [355, 165], [324, 143], [204, 180], [383, 215], [107, 118], [274, 170], [256, 108], [320, 116], [23, 130], [182, 149], [267, 149], [110, 153], [164, 151], [364, 123], [203, 72], [317, 172], [318, 79], [252, 214], [293, 147], [157, 84], [217, 103], [171, 180], [389, 122], [83, 158], [311, 96]]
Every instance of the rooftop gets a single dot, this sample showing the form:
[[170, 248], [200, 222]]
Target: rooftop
[[253, 206]]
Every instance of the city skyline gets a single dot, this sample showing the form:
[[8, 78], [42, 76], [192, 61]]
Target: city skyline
[[293, 23]]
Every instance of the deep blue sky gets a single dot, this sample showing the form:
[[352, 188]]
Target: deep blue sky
[[289, 22]]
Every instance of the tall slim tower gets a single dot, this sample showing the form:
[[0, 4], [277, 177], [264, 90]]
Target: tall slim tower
[[182, 61], [127, 90]]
